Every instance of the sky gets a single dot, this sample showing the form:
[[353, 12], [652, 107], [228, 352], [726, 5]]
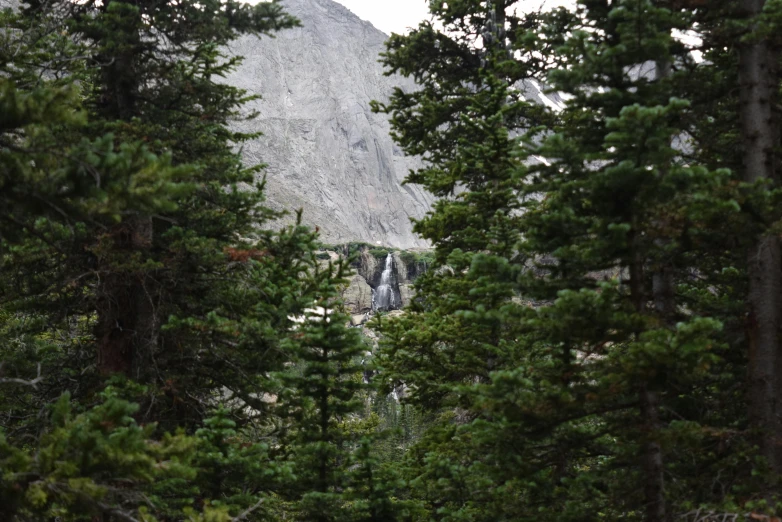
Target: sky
[[389, 15], [397, 15]]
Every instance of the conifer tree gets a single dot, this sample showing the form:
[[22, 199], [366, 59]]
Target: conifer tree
[[463, 121], [337, 473], [121, 205], [759, 81], [95, 463], [322, 392], [569, 404], [53, 189], [160, 294], [726, 131]]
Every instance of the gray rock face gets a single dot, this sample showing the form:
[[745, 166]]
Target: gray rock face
[[327, 152], [369, 267], [406, 294], [357, 296]]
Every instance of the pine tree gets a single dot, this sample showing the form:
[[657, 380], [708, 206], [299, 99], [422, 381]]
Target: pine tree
[[568, 403], [54, 189], [94, 463], [336, 467], [463, 121], [140, 209], [759, 80], [168, 295], [374, 486], [321, 392], [737, 39]]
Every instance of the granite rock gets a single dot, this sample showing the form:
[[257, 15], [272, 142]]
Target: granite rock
[[326, 152], [357, 296]]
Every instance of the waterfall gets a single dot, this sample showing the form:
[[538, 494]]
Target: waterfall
[[383, 298]]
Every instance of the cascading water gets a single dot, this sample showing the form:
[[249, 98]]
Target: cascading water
[[383, 298]]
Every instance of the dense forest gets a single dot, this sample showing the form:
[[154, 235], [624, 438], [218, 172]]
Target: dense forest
[[597, 336]]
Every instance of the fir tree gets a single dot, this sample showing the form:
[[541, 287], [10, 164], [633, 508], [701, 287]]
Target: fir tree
[[160, 294], [322, 393], [95, 463], [759, 80], [567, 403], [462, 121], [135, 217], [337, 472]]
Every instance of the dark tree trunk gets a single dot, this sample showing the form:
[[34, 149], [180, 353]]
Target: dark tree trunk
[[128, 324], [654, 486], [664, 303], [758, 80], [651, 450], [662, 278]]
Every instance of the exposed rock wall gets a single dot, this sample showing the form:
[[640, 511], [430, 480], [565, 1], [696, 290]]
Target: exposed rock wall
[[357, 295], [326, 151]]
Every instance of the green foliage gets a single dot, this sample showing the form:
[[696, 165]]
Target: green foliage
[[380, 253], [322, 397], [570, 325], [136, 227], [577, 346], [424, 258], [132, 245], [90, 463]]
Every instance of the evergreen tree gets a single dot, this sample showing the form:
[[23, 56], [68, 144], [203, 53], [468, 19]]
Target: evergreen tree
[[738, 38], [463, 121], [166, 295], [132, 218], [577, 403], [95, 463], [336, 468], [321, 393], [53, 190], [759, 81]]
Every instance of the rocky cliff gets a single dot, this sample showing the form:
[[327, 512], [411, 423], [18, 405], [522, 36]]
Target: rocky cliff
[[327, 152], [369, 263]]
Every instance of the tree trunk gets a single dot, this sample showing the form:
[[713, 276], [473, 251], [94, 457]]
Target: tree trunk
[[662, 279], [758, 77], [654, 486], [128, 325], [651, 450], [664, 305]]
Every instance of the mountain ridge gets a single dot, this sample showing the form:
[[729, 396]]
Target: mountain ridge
[[326, 152]]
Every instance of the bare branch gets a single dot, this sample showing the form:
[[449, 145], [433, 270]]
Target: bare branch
[[12, 380], [700, 515], [248, 511]]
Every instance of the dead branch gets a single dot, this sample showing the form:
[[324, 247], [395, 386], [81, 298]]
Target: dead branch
[[23, 382], [249, 510]]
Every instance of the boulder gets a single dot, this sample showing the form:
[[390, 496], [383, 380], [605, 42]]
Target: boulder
[[357, 296], [358, 320], [407, 293]]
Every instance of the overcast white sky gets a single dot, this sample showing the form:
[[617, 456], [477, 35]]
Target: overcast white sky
[[389, 15], [397, 15]]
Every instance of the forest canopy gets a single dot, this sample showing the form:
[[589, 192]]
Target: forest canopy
[[596, 335]]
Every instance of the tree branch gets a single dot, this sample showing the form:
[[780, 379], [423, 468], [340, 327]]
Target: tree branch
[[249, 510], [11, 380]]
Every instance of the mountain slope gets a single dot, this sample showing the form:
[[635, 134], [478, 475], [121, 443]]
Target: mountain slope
[[327, 153]]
